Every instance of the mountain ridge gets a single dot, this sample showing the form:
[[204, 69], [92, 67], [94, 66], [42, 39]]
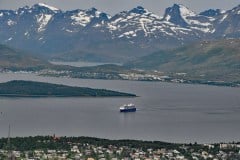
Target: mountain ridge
[[129, 34]]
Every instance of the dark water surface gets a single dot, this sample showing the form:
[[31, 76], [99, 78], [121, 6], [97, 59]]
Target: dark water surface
[[166, 112]]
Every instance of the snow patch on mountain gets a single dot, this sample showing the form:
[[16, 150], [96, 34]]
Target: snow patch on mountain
[[144, 22], [223, 18], [213, 30], [186, 12], [70, 31], [201, 26], [112, 27], [211, 19], [168, 17], [206, 30], [81, 18], [11, 22], [97, 13], [43, 20], [9, 39], [26, 33], [168, 33], [223, 11], [196, 22], [128, 34], [47, 6]]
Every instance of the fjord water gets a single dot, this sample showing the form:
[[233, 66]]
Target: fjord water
[[81, 63], [166, 112]]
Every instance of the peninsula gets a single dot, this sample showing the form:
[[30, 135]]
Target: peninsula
[[19, 88]]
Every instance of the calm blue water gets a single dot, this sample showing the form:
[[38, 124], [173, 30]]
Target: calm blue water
[[166, 112]]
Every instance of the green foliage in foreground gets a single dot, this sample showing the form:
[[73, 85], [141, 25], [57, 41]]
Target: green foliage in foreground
[[38, 89], [48, 142], [98, 148]]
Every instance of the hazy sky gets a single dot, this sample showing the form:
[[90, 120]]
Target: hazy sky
[[115, 6]]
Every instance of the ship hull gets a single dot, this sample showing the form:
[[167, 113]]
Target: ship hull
[[128, 110]]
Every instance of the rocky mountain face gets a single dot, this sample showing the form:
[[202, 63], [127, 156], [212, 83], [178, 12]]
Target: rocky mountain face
[[44, 29]]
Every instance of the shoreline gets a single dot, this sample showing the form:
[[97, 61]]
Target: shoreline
[[176, 81]]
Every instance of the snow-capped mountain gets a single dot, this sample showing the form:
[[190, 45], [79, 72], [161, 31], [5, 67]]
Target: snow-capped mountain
[[228, 24], [184, 17], [46, 29]]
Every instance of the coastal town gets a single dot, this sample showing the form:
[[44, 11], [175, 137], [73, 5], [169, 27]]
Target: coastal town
[[85, 148], [133, 75]]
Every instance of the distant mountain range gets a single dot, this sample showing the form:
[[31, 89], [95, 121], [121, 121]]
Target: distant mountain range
[[85, 34]]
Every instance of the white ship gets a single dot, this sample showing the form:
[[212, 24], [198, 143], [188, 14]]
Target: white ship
[[128, 108]]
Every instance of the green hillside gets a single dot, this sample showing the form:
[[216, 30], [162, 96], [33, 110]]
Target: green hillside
[[12, 58], [211, 60]]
